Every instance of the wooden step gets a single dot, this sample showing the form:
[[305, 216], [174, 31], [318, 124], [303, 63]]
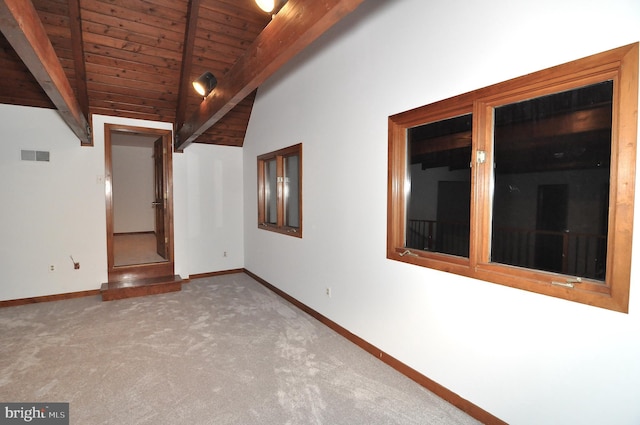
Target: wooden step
[[138, 288]]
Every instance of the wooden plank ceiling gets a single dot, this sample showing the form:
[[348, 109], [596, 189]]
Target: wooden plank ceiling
[[136, 58]]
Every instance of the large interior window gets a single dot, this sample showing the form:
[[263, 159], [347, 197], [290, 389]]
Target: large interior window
[[280, 191], [527, 183]]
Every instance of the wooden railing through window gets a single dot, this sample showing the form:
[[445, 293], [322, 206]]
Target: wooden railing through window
[[567, 252], [439, 236]]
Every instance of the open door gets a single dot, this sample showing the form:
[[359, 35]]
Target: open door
[[157, 144], [159, 203]]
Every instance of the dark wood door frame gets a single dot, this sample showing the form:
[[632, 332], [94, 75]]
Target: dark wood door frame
[[150, 270]]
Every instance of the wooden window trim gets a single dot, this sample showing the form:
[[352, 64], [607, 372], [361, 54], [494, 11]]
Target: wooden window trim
[[619, 65], [279, 156]]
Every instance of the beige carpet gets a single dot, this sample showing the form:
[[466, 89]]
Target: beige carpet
[[224, 350]]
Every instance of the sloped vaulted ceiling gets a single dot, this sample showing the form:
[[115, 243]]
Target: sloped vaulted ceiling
[[137, 58]]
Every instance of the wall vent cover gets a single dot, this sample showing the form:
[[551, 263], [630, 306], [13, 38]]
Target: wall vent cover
[[28, 155]]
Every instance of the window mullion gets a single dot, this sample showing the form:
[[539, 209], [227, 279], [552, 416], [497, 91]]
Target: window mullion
[[482, 185]]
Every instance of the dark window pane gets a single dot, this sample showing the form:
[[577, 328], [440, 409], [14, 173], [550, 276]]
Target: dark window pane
[[438, 204], [551, 193]]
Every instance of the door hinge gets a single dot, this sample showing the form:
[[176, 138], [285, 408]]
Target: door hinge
[[481, 157]]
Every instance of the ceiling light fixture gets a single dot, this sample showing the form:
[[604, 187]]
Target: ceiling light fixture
[[205, 84], [270, 6]]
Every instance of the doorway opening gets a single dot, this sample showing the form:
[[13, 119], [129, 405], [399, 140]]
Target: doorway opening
[[139, 203]]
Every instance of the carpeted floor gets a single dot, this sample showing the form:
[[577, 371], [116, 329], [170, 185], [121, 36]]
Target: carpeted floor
[[224, 350]]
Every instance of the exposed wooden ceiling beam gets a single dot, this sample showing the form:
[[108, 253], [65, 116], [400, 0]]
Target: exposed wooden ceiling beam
[[187, 61], [297, 25], [21, 25]]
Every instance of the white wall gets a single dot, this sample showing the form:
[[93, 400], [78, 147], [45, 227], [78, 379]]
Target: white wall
[[50, 210], [215, 208], [133, 188], [526, 358], [56, 209]]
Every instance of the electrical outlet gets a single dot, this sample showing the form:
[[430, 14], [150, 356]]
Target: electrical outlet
[[52, 268], [328, 292], [76, 266], [224, 254]]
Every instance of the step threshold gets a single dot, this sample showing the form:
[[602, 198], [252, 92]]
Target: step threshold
[[141, 287]]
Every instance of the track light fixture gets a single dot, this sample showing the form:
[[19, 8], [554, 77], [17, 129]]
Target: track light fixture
[[205, 83], [271, 6]]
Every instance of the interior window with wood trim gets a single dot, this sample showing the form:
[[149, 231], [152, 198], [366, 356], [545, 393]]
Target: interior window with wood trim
[[528, 183], [280, 191]]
